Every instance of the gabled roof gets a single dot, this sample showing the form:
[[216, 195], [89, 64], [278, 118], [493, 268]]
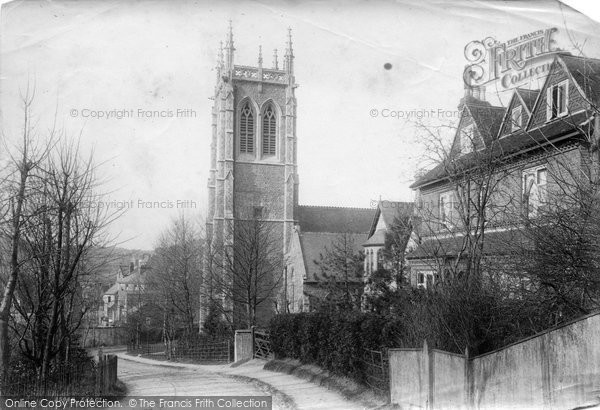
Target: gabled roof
[[389, 211], [523, 98], [124, 270], [377, 238], [585, 72], [487, 119], [112, 290], [334, 219], [528, 97], [315, 244], [506, 147], [138, 276]]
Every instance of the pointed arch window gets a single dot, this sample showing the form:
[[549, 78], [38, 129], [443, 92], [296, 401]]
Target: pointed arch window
[[247, 129], [269, 131]]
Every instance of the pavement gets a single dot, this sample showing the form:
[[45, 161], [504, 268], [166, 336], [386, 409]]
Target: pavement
[[151, 377]]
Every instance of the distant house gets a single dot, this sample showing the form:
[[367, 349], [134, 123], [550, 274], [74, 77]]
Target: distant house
[[124, 296], [389, 216], [317, 229]]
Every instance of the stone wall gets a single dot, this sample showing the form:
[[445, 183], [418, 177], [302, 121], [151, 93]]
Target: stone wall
[[559, 368]]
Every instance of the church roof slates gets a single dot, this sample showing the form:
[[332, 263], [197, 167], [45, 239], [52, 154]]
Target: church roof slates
[[315, 245], [334, 219]]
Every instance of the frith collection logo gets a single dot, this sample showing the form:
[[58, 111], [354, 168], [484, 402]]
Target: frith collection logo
[[512, 63]]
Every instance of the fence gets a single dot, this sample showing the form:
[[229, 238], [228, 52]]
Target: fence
[[199, 350], [262, 345], [85, 378], [376, 369], [104, 336], [559, 368], [106, 375]]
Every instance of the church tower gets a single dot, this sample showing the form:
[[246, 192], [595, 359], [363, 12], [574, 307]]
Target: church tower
[[253, 166]]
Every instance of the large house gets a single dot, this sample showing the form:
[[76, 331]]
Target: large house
[[504, 166], [124, 297]]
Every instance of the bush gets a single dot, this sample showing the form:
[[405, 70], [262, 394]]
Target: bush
[[335, 341], [77, 376]]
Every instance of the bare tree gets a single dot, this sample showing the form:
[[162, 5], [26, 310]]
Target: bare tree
[[342, 268], [561, 219], [52, 223], [475, 174], [247, 274], [63, 226], [541, 266], [15, 183], [175, 278]]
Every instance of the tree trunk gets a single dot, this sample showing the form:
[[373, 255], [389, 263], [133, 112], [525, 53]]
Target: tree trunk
[[9, 290]]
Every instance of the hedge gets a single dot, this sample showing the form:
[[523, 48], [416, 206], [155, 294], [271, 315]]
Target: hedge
[[335, 342]]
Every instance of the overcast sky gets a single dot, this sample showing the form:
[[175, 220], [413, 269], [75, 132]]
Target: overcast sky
[[88, 57]]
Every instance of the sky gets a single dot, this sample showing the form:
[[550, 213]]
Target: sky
[[101, 58]]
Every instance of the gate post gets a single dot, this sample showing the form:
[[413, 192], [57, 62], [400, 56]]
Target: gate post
[[253, 342]]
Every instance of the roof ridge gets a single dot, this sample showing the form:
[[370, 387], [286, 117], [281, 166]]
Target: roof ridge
[[527, 89], [335, 207], [333, 233], [569, 55], [391, 200]]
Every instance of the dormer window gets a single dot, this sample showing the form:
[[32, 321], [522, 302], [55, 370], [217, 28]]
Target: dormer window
[[516, 117], [466, 139], [247, 129], [557, 99]]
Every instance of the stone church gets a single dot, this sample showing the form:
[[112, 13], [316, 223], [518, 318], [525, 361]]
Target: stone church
[[254, 169]]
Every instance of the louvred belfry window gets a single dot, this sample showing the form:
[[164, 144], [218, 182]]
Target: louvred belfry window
[[269, 131], [247, 129]]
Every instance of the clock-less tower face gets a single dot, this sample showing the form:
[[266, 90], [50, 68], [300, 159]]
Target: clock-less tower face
[[253, 172]]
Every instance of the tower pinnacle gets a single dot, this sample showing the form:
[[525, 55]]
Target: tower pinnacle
[[275, 62], [229, 47], [289, 42], [289, 54], [220, 56], [260, 57]]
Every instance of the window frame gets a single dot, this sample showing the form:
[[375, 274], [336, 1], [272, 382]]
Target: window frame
[[247, 104], [514, 125], [550, 114], [428, 279], [269, 138], [446, 219], [530, 180]]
